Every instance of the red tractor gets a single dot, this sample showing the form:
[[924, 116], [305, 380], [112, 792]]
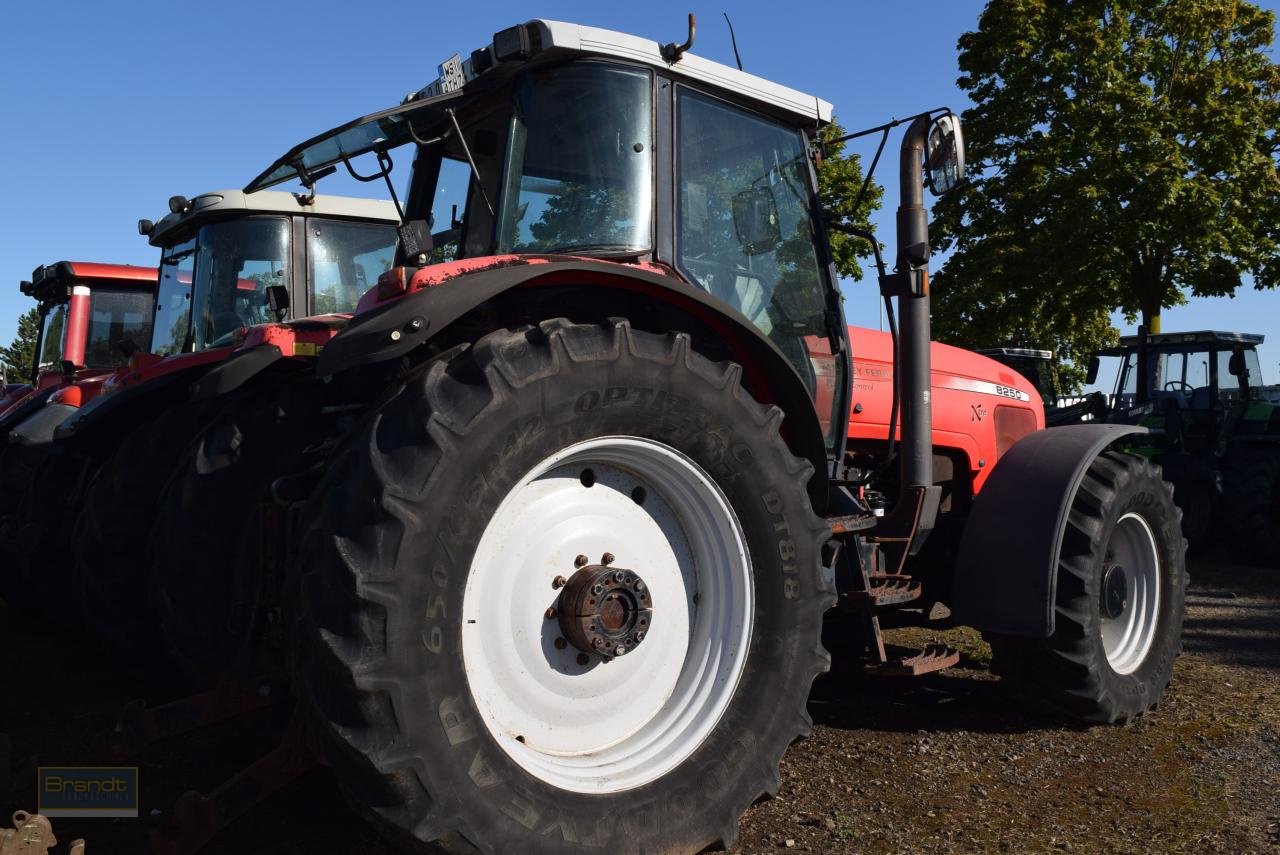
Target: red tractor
[[557, 555], [233, 266], [88, 311]]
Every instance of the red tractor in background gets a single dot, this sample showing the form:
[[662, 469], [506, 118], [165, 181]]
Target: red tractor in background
[[88, 311], [83, 469], [558, 556]]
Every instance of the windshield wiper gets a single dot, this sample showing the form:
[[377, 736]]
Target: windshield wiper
[[596, 248]]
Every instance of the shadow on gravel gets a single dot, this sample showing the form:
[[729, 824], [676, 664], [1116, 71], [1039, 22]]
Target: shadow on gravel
[[943, 702], [1233, 613]]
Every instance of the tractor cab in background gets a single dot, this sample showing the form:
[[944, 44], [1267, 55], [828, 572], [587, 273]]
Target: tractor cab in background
[[1199, 396], [1041, 369], [93, 316]]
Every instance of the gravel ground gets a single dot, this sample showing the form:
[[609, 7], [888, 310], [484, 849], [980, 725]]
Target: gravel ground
[[953, 762]]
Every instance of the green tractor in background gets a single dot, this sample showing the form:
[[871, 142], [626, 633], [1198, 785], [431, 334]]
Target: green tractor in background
[[1217, 439]]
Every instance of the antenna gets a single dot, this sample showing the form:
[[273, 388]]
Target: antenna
[[733, 39]]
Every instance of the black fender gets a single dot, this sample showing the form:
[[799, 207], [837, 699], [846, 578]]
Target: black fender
[[106, 411], [236, 371], [395, 329], [1006, 571], [21, 412], [39, 427]]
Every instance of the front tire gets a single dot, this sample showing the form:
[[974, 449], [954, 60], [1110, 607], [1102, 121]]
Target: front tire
[[1252, 505], [1119, 601], [452, 705]]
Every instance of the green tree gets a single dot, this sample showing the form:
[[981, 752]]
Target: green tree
[[1127, 156], [839, 181], [19, 355]]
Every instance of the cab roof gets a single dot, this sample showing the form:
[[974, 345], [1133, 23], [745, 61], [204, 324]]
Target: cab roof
[[1190, 339], [512, 49], [1025, 352], [222, 203], [52, 283]]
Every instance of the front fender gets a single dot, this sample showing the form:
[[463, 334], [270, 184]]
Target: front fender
[[1007, 568], [394, 329], [111, 411], [236, 371]]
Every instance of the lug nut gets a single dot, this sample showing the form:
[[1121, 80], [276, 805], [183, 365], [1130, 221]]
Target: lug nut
[[640, 635], [580, 561], [619, 650], [639, 585], [595, 642], [583, 659], [607, 558], [559, 582], [551, 612], [619, 576], [561, 644]]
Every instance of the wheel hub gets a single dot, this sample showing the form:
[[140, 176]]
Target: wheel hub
[[605, 610], [1115, 591]]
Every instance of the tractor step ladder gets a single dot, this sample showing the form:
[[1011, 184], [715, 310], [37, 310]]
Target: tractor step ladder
[[875, 589]]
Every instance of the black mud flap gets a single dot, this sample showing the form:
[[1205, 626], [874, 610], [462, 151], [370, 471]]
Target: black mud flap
[[1006, 570]]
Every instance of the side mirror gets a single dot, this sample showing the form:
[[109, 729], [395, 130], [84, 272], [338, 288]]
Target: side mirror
[[278, 300], [1091, 374], [1235, 364], [944, 154], [755, 219]]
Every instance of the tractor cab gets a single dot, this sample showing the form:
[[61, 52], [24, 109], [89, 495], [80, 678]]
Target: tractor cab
[[230, 261], [1187, 385], [92, 316], [563, 140]]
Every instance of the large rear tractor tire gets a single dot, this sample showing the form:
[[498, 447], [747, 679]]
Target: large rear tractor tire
[[111, 532], [1119, 601], [217, 552], [562, 593], [1252, 505]]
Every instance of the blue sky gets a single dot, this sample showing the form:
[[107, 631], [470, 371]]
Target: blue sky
[[110, 109]]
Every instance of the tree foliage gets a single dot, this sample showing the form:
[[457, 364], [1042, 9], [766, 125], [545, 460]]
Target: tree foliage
[[21, 351], [1127, 156], [839, 181]]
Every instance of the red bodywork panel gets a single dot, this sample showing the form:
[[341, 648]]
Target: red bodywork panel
[[971, 394]]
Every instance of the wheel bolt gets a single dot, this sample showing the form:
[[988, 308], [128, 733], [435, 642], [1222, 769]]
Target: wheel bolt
[[619, 650], [640, 635], [595, 642], [639, 586], [551, 612], [561, 644], [607, 558], [580, 561], [583, 659], [559, 582], [619, 576]]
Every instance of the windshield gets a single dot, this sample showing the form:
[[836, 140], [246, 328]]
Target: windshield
[[579, 170], [51, 331], [344, 260], [117, 317], [745, 232], [236, 260]]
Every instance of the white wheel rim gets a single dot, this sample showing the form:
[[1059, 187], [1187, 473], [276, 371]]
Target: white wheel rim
[[610, 726], [1127, 637]]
